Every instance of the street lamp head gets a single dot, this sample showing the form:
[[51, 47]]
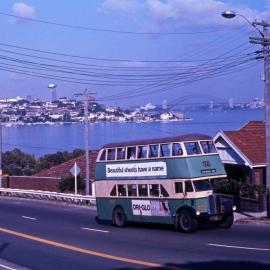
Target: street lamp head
[[228, 14]]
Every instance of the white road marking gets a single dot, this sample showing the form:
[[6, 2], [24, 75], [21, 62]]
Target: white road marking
[[95, 230], [31, 218], [6, 267], [239, 247]]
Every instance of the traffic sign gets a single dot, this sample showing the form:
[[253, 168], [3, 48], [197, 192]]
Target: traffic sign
[[75, 170]]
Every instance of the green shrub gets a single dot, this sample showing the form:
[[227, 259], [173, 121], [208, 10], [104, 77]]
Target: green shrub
[[68, 184]]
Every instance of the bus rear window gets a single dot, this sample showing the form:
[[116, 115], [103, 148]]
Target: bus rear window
[[193, 148], [208, 147]]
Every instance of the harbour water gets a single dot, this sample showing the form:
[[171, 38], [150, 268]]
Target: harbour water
[[43, 139]]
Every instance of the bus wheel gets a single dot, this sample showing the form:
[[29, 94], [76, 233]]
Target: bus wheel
[[227, 222], [119, 218], [186, 222]]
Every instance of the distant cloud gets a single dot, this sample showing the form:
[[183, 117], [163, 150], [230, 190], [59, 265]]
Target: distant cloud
[[127, 6], [23, 10], [196, 13]]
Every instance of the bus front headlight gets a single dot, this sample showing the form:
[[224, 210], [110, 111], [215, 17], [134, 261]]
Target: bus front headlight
[[198, 213], [234, 208]]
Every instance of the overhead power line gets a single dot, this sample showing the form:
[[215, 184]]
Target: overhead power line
[[78, 27]]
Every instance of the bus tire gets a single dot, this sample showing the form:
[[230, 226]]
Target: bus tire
[[119, 218], [227, 221], [186, 222]]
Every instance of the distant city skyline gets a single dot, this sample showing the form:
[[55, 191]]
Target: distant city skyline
[[189, 49]]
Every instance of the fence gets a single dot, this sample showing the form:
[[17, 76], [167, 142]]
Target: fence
[[46, 195]]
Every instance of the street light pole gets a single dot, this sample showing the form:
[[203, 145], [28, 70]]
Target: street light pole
[[265, 42], [86, 96]]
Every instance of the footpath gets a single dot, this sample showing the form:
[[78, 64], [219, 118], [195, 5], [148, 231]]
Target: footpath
[[251, 218]]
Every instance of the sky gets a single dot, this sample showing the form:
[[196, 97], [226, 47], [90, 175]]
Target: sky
[[129, 52]]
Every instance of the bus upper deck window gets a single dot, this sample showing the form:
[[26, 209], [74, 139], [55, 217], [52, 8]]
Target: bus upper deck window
[[188, 186], [208, 147], [193, 148], [142, 151], [178, 186], [131, 152], [153, 150], [103, 155], [111, 154], [154, 190], [177, 149], [121, 153], [132, 190], [122, 191], [143, 192], [163, 192], [165, 150]]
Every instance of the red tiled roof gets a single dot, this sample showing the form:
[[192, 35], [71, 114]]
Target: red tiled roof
[[250, 140], [63, 170]]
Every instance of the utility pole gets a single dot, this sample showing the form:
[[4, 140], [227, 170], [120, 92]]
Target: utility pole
[[87, 96], [1, 153], [265, 42]]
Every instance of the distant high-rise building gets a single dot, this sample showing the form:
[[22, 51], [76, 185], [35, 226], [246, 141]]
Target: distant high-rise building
[[165, 104], [29, 98], [231, 103], [211, 104]]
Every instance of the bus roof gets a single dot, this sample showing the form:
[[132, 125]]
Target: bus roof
[[183, 138]]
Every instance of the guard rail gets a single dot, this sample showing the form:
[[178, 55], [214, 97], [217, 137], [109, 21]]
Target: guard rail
[[47, 195]]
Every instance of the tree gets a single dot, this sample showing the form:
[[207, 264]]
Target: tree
[[16, 162], [67, 184]]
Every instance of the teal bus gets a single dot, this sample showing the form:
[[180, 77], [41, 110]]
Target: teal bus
[[166, 181]]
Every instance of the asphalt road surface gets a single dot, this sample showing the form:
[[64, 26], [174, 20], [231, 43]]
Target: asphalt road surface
[[50, 236]]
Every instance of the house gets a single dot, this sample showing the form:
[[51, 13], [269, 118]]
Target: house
[[243, 152]]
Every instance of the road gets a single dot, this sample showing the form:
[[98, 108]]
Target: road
[[41, 235]]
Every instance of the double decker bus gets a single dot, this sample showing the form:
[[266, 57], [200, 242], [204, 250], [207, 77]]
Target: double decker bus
[[164, 181]]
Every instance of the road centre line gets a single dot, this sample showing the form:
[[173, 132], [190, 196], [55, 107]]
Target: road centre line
[[95, 230], [6, 267], [31, 218], [239, 247], [80, 250]]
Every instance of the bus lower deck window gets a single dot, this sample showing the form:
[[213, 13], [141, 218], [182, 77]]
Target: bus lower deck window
[[122, 190], [178, 186], [132, 190], [143, 192], [113, 192], [154, 190], [188, 186], [163, 192]]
